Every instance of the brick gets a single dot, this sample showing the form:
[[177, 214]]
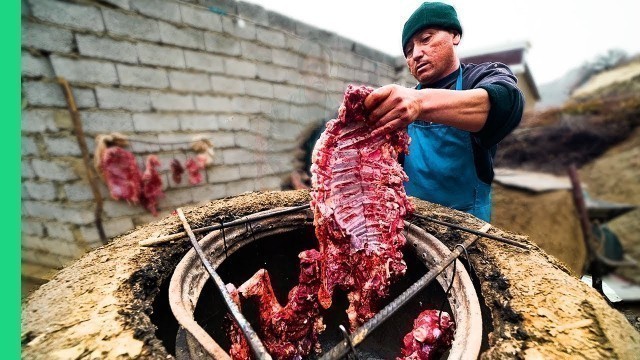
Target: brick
[[50, 94], [201, 18], [106, 48], [271, 37], [68, 14], [198, 122], [62, 146], [187, 81], [202, 61], [85, 70], [141, 148], [58, 211], [142, 76], [176, 198], [160, 9], [238, 156], [240, 68], [258, 88], [26, 170], [184, 37], [123, 99], [59, 230], [33, 242], [286, 58], [239, 28], [227, 85], [221, 44], [133, 26], [123, 4], [256, 13], [78, 191], [241, 186], [28, 146], [285, 92], [222, 139], [252, 51], [175, 102], [40, 190], [208, 192], [268, 183], [32, 227], [155, 122], [235, 122], [245, 105], [221, 174], [114, 208], [213, 103], [275, 73], [112, 228], [35, 65], [53, 170], [161, 55], [249, 141], [106, 121]]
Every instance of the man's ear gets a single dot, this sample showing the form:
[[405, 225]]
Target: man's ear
[[456, 39]]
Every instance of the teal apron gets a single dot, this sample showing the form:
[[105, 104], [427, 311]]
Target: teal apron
[[441, 168]]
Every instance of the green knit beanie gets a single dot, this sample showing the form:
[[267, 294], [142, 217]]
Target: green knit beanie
[[430, 14]]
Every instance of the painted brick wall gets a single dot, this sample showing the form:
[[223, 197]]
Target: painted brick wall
[[252, 81]]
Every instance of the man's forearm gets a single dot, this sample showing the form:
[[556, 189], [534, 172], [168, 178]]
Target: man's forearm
[[466, 110]]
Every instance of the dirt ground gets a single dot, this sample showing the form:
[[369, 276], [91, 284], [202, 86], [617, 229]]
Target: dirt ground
[[99, 306]]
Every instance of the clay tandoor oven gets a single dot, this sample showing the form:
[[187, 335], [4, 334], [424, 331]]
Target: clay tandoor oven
[[115, 301]]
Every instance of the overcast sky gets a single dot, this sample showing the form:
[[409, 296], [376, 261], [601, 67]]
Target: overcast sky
[[562, 33]]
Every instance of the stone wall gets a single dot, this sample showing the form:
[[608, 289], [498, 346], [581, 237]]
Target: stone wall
[[252, 81]]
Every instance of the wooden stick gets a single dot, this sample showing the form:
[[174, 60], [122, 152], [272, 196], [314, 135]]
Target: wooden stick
[[77, 126]]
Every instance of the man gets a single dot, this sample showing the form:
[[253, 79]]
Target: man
[[455, 116]]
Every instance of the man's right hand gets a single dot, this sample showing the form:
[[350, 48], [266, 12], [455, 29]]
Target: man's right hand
[[392, 107]]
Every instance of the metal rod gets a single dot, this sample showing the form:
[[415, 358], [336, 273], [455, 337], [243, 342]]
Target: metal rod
[[363, 331], [77, 127], [254, 341], [471, 231], [244, 220]]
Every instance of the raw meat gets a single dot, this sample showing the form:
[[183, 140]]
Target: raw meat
[[176, 171], [151, 185], [239, 347], [359, 204], [289, 332], [194, 165], [428, 340], [120, 171]]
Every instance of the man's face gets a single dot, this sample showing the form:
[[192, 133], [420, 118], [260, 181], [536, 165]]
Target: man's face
[[430, 54]]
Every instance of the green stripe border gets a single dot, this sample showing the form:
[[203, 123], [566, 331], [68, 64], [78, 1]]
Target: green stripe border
[[10, 100]]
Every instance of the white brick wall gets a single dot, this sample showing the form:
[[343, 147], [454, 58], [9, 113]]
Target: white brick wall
[[168, 71]]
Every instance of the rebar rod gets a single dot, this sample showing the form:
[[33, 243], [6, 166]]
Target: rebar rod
[[247, 219], [342, 348], [254, 341], [471, 231]]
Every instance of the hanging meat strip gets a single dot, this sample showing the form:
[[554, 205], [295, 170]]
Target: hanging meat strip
[[120, 171], [176, 171], [194, 165], [359, 204], [239, 347], [290, 331], [151, 185]]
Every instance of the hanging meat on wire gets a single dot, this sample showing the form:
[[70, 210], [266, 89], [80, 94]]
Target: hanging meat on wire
[[430, 338], [151, 185], [194, 165], [359, 204], [120, 171], [290, 331], [239, 346], [176, 171]]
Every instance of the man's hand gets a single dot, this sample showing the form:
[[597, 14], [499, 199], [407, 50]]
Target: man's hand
[[392, 107]]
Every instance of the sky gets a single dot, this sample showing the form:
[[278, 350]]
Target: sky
[[562, 34]]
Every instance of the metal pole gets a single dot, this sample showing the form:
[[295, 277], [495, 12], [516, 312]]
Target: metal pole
[[254, 341]]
